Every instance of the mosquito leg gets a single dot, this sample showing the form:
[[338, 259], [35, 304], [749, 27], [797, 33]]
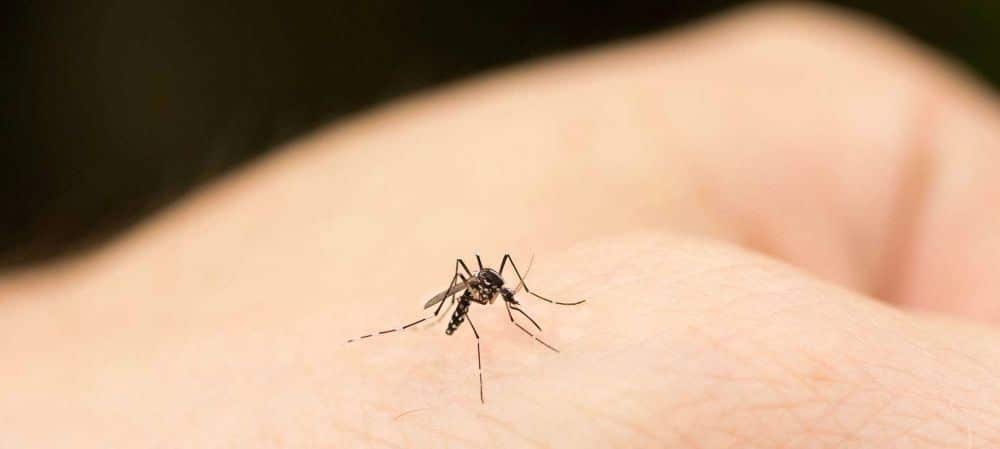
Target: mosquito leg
[[519, 326], [527, 289], [458, 263], [453, 301], [526, 316], [464, 267], [447, 310], [450, 286], [389, 331], [438, 309], [479, 359], [508, 298]]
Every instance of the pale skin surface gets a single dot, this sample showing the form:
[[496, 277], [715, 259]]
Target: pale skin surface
[[784, 222]]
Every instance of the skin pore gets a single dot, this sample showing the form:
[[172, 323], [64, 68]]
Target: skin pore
[[784, 222]]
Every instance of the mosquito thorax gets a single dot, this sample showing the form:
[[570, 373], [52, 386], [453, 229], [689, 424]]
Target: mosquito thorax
[[490, 277]]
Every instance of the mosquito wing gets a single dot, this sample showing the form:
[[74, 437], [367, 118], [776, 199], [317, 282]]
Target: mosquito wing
[[459, 286]]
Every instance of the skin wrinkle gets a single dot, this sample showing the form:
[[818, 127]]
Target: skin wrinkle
[[740, 440], [762, 347], [600, 411], [916, 392], [635, 429], [708, 397], [786, 408], [932, 391], [940, 415], [888, 405], [750, 406], [830, 413], [983, 369], [409, 412], [365, 436], [658, 307], [928, 397], [956, 417], [793, 375], [639, 275], [530, 400], [870, 419], [600, 408], [964, 424], [704, 276], [764, 380], [491, 434], [909, 433], [967, 417], [452, 437], [742, 361], [403, 432]]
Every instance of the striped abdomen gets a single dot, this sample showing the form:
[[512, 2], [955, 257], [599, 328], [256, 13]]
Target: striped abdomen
[[458, 317]]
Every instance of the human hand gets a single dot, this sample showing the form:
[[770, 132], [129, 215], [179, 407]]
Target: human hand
[[784, 222]]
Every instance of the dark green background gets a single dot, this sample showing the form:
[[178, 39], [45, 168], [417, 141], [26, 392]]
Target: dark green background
[[114, 108]]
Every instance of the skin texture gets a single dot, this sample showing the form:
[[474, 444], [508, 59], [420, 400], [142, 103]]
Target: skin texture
[[784, 221]]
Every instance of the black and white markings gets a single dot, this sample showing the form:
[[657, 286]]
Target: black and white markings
[[482, 287]]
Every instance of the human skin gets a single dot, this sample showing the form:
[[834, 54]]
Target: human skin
[[783, 221]]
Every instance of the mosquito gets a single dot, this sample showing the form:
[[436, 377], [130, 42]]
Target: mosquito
[[480, 287]]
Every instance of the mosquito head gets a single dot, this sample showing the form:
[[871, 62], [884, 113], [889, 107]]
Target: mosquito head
[[491, 278]]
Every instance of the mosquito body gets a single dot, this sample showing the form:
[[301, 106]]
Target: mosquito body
[[481, 287]]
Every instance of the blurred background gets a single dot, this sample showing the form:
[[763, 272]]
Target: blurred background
[[113, 109]]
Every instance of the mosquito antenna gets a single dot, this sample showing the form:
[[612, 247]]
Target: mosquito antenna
[[480, 262]]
